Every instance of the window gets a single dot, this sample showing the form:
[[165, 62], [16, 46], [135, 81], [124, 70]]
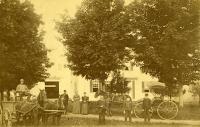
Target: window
[[94, 85]]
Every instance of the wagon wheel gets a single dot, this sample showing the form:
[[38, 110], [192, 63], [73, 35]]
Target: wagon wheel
[[138, 110], [167, 110]]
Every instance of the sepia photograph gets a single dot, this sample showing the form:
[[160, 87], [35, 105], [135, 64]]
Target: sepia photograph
[[99, 63]]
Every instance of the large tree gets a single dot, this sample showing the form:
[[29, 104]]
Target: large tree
[[95, 38], [167, 45], [22, 55]]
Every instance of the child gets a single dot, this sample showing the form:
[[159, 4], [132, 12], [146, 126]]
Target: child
[[128, 109], [102, 110], [147, 108]]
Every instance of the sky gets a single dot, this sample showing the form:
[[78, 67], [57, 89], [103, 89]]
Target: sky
[[51, 10]]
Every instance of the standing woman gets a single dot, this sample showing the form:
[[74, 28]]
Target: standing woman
[[76, 104], [85, 100]]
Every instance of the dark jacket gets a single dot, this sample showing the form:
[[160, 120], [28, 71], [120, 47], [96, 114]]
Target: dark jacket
[[146, 103], [65, 98], [85, 99]]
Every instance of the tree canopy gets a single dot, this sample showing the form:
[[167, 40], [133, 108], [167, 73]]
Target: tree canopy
[[22, 54], [167, 45], [95, 39], [161, 36]]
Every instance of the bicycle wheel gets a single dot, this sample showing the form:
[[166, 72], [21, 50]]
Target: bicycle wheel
[[167, 110], [138, 110]]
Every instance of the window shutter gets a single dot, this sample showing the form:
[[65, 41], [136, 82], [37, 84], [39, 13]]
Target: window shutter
[[91, 89], [133, 88], [142, 86]]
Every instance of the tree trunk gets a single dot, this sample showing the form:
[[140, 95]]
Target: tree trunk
[[181, 96]]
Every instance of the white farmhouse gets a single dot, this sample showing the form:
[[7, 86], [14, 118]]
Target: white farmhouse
[[138, 81]]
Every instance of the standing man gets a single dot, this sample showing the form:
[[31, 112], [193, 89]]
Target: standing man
[[147, 108], [65, 100], [22, 89], [85, 100], [108, 104], [128, 106]]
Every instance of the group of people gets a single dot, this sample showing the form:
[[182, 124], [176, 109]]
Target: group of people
[[16, 95], [128, 108], [80, 105], [104, 108]]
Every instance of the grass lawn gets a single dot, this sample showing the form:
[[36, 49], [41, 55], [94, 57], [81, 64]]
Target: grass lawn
[[86, 122], [189, 111]]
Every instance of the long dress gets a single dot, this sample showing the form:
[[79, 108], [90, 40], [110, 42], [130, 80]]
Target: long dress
[[84, 108], [76, 104]]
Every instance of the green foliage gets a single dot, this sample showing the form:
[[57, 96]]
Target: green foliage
[[95, 39], [118, 84], [22, 54], [167, 35]]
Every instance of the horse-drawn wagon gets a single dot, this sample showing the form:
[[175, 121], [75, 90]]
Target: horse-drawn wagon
[[28, 112], [17, 111]]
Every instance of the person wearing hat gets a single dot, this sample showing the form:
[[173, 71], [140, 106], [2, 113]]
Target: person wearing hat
[[22, 89], [84, 107], [147, 108], [65, 100]]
